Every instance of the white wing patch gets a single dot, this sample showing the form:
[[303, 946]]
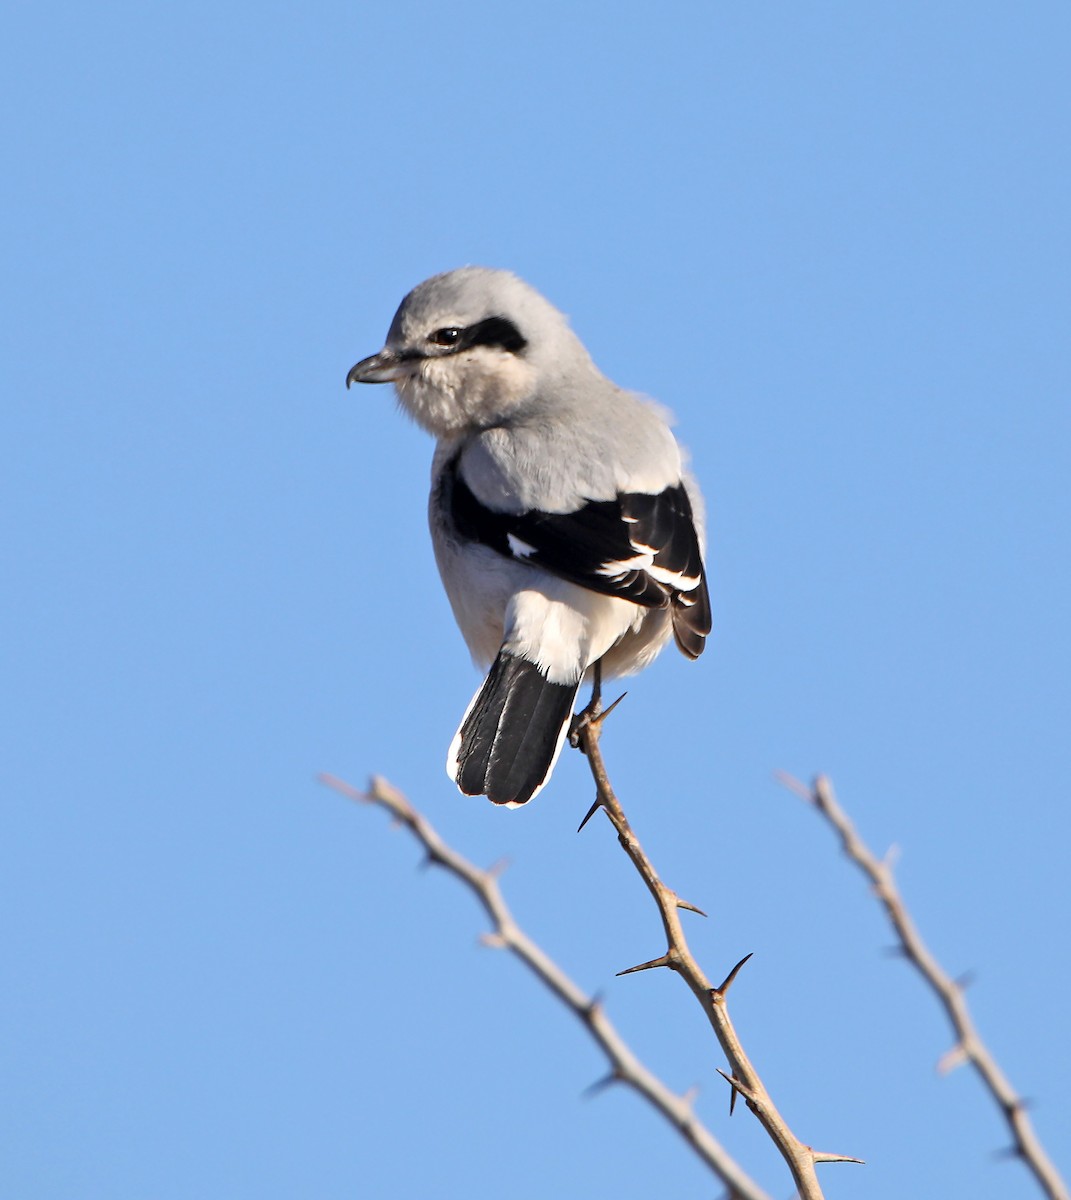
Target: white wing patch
[[518, 548], [673, 579], [612, 570]]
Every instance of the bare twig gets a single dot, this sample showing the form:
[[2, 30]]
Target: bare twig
[[625, 1067], [743, 1077], [969, 1047]]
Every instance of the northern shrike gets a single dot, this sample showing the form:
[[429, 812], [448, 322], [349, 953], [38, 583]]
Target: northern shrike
[[565, 528]]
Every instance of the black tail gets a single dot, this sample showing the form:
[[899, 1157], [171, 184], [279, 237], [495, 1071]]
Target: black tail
[[509, 740], [691, 618]]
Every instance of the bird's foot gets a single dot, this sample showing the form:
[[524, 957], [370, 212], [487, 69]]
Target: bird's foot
[[581, 720]]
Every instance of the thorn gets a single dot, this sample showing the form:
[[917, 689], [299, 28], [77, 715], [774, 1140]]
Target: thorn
[[600, 1085], [594, 1005], [718, 993], [607, 711], [688, 907], [794, 785], [1006, 1152], [590, 813], [951, 1059], [964, 981], [495, 940], [737, 1086], [495, 870], [664, 961], [894, 951], [820, 1156], [433, 857], [892, 857], [345, 789]]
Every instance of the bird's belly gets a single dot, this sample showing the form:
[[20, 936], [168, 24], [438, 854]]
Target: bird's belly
[[479, 585]]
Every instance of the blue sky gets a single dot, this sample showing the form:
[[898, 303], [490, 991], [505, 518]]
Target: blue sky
[[834, 239]]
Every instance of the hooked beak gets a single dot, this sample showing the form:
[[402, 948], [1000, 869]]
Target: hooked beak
[[384, 367]]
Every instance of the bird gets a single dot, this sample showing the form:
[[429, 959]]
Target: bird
[[566, 528]]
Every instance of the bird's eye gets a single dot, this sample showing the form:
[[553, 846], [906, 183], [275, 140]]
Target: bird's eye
[[445, 337]]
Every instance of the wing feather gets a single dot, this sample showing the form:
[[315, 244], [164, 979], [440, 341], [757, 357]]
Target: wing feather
[[639, 547]]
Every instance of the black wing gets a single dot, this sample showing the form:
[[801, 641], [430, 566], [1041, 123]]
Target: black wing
[[637, 546]]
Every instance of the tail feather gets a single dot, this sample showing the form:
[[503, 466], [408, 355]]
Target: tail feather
[[512, 733], [690, 613]]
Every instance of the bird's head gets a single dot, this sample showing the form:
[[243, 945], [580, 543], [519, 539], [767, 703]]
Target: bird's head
[[472, 349]]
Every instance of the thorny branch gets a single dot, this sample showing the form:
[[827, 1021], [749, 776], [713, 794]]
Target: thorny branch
[[969, 1047], [625, 1067], [744, 1079]]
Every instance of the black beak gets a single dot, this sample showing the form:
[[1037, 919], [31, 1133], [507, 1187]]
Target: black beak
[[384, 367]]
